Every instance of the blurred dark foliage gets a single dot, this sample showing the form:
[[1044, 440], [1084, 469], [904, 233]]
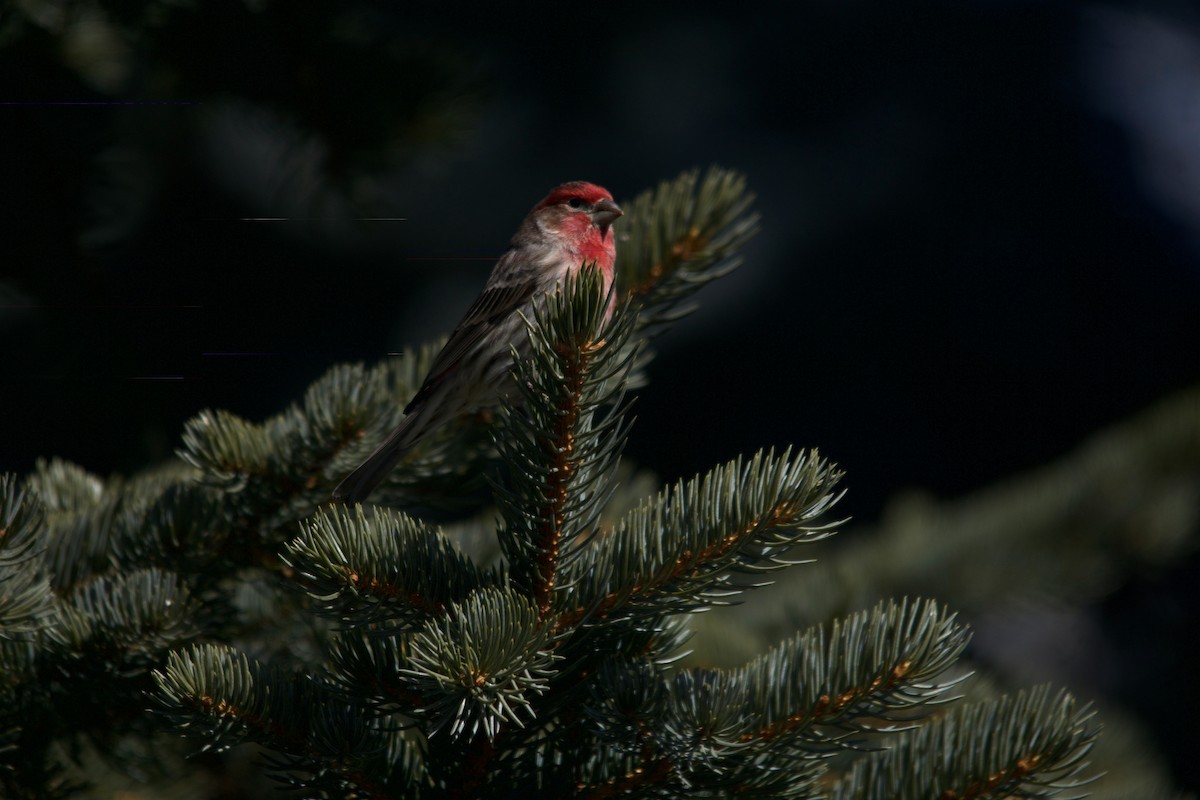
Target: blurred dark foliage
[[972, 252]]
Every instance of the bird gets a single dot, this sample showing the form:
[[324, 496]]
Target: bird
[[570, 227]]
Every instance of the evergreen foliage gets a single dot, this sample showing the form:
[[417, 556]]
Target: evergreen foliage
[[364, 652]]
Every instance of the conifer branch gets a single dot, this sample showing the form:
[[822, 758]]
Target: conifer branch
[[679, 237], [26, 602], [62, 486], [653, 771], [381, 566], [688, 737], [563, 439], [480, 665], [872, 667], [737, 518], [125, 622], [219, 694], [281, 470], [1032, 744], [185, 522], [364, 662], [80, 509], [862, 674]]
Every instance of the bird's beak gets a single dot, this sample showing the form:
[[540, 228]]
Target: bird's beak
[[605, 213]]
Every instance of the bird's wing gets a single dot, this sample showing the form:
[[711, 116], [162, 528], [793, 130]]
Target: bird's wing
[[493, 305]]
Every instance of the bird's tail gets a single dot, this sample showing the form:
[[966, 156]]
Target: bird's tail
[[356, 486]]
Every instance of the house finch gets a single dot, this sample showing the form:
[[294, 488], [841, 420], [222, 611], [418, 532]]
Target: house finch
[[569, 227]]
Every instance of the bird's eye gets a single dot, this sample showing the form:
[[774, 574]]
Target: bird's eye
[[575, 202]]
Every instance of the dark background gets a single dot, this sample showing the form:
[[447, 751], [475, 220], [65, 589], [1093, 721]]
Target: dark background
[[981, 221]]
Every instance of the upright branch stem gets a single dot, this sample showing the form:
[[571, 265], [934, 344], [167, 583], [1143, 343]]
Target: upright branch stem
[[561, 450]]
